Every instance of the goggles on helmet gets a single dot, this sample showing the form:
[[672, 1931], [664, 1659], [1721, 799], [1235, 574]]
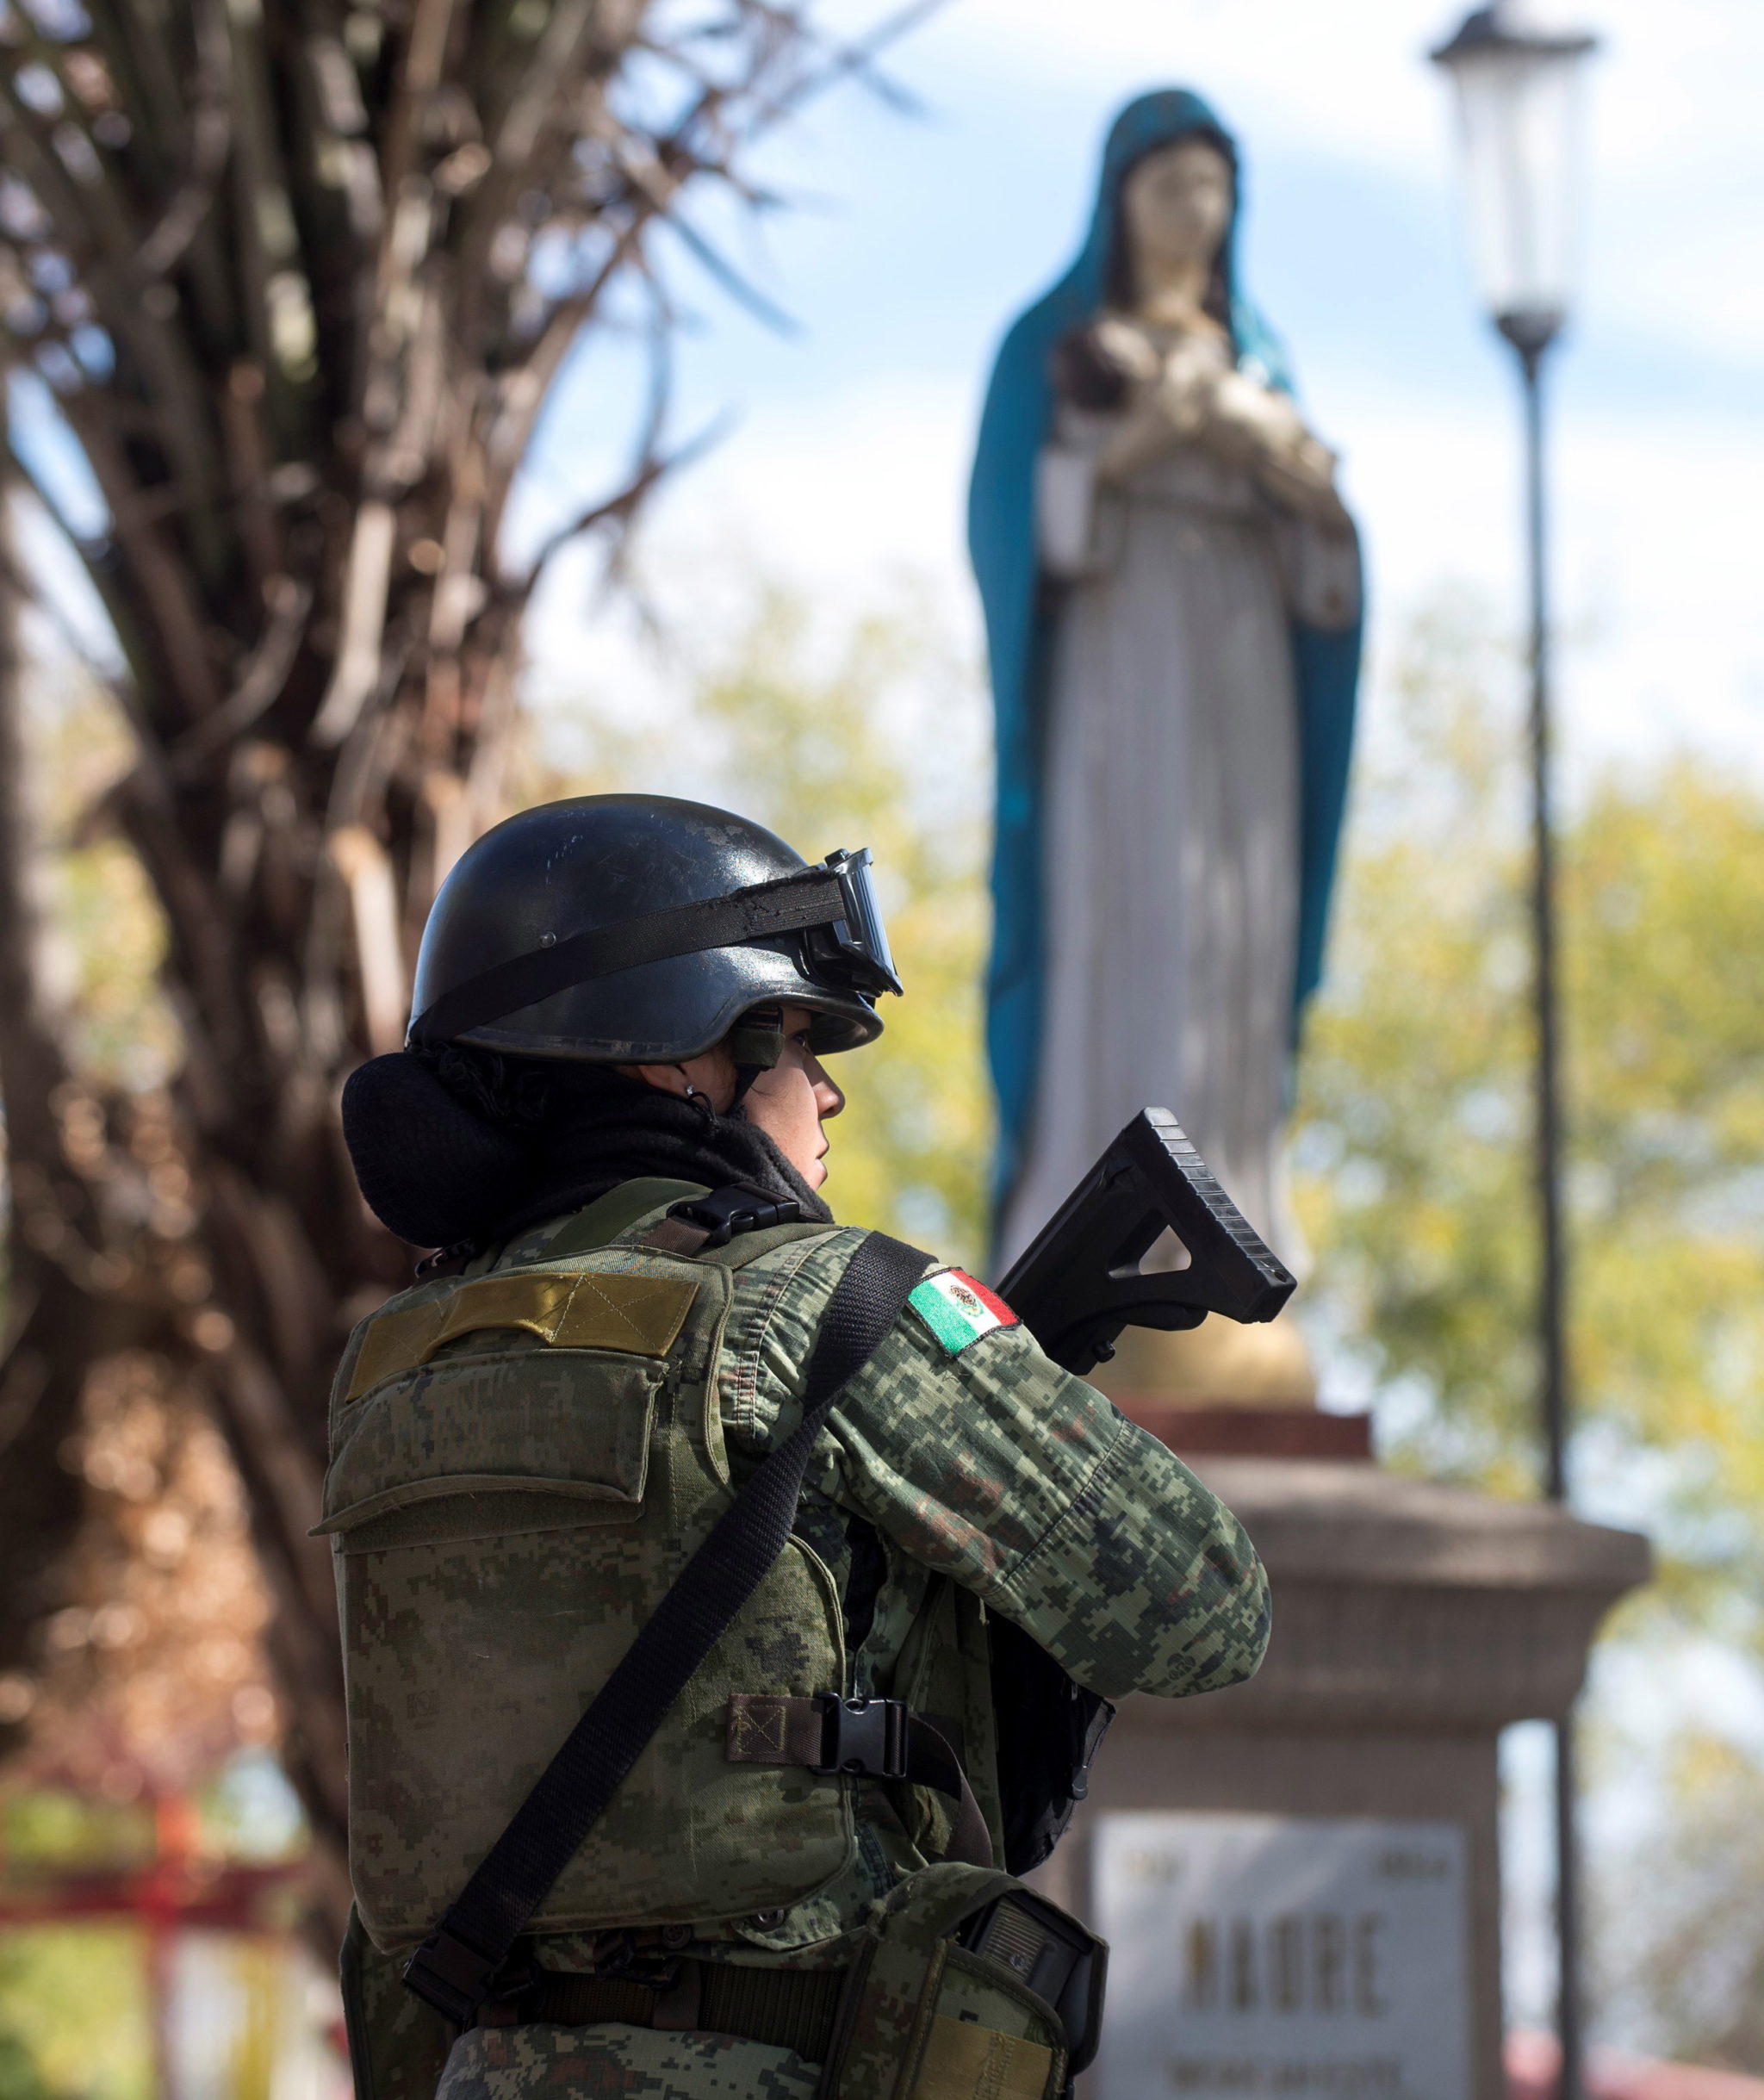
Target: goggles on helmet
[[832, 907], [857, 942]]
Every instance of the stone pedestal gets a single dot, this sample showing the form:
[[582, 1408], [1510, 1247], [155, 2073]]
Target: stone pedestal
[[1412, 1623]]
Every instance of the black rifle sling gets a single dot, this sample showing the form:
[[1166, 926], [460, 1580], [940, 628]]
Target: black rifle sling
[[456, 1965]]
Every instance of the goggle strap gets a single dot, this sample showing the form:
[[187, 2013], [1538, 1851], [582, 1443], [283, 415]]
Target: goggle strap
[[790, 903]]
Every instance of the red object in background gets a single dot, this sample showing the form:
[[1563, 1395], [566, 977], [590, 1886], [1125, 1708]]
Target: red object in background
[[1534, 2064], [1251, 1432], [181, 1889], [223, 1899]]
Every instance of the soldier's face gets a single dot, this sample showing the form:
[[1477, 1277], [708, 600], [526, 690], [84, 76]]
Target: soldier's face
[[791, 1101]]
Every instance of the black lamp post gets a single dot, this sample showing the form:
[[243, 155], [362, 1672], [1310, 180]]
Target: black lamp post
[[1519, 96]]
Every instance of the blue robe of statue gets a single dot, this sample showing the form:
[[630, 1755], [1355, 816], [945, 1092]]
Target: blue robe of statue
[[1174, 663]]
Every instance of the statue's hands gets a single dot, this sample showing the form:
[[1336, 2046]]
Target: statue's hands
[[1252, 426], [1169, 398], [1191, 394], [1304, 483], [1189, 381], [1129, 349], [1246, 422]]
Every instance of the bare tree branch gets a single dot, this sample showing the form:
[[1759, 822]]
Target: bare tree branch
[[210, 141], [302, 280]]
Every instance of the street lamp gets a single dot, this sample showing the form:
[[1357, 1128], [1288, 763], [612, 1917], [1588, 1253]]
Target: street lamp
[[1519, 96], [1520, 104]]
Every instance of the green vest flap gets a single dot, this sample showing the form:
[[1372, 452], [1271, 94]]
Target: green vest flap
[[524, 1418], [565, 1308]]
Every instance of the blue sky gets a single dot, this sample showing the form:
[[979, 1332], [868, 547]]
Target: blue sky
[[913, 239]]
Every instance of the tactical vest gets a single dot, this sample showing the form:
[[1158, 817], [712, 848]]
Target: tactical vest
[[522, 1462]]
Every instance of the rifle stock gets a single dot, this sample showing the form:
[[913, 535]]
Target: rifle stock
[[1079, 1284]]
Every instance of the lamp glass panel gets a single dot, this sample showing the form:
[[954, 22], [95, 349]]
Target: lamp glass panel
[[1521, 114]]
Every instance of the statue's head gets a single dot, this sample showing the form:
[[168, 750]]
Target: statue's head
[[1176, 207], [1165, 205]]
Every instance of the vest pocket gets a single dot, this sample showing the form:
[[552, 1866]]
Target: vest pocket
[[482, 1445], [484, 1510], [504, 1521]]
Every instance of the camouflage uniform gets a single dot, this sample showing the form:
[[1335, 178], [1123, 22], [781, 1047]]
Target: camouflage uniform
[[987, 1479], [634, 2063]]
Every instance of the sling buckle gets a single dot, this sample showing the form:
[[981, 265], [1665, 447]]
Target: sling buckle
[[453, 1976], [865, 1737], [739, 1208]]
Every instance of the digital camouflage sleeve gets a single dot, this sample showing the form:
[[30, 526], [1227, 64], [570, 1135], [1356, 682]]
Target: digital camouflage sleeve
[[981, 1459]]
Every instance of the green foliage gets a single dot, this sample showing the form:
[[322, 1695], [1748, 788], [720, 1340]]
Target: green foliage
[[869, 744], [1415, 1129], [1690, 1960], [1414, 1182], [50, 1831], [810, 755], [20, 2076], [1410, 1139], [73, 2005], [73, 2014]]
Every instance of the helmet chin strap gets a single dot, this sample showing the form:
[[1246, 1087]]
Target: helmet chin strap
[[756, 1043]]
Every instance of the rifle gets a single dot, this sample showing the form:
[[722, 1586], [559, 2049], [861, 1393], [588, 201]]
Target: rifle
[[1080, 1283], [1077, 1287]]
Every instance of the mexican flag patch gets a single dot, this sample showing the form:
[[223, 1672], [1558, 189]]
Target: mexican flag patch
[[958, 1310]]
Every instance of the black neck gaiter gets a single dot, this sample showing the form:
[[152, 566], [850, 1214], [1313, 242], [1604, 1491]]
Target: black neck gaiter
[[439, 1173]]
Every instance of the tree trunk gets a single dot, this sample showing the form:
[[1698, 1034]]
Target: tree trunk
[[313, 272]]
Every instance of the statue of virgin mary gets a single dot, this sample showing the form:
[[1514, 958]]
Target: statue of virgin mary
[[1172, 590]]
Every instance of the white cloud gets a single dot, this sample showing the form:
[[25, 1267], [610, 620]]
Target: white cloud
[[1677, 167], [1662, 625]]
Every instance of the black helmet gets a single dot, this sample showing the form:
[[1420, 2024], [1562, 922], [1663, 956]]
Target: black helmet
[[637, 928]]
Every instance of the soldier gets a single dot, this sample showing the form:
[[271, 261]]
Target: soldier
[[612, 1118]]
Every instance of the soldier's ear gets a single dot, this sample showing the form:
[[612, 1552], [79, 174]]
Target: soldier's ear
[[707, 1081]]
